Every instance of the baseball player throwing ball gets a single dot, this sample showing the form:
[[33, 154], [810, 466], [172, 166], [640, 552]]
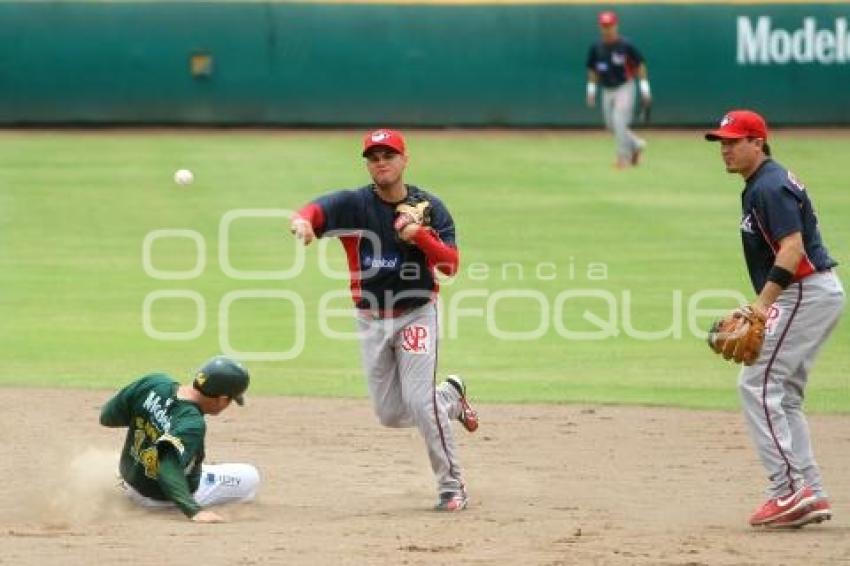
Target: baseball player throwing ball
[[162, 462], [799, 302], [395, 236]]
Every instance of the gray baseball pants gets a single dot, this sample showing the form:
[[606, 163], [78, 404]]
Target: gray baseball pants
[[772, 390], [400, 362], [618, 106]]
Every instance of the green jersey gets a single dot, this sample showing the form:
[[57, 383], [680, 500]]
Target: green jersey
[[157, 421]]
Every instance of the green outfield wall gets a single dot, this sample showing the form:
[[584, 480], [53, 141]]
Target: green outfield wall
[[429, 65]]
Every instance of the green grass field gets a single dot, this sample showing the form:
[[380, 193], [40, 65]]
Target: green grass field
[[75, 208]]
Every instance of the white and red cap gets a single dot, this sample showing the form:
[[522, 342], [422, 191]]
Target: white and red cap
[[384, 137], [607, 18], [737, 124]]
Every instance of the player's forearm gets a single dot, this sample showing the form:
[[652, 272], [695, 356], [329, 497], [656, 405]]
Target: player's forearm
[[590, 92], [769, 293], [444, 257], [790, 252], [785, 266], [643, 84], [173, 483], [313, 214]]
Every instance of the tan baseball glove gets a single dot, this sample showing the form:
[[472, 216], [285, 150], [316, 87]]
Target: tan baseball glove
[[738, 336], [412, 211]]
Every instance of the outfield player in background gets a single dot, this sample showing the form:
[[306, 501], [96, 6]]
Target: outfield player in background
[[162, 459], [394, 288], [801, 298], [614, 62]]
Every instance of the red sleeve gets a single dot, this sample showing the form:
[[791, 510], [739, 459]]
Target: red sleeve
[[444, 257], [314, 215]]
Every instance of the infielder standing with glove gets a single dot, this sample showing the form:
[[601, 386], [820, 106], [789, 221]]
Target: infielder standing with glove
[[799, 302], [614, 62], [162, 462], [395, 236]]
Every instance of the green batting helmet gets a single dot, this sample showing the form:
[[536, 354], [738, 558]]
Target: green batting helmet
[[223, 376]]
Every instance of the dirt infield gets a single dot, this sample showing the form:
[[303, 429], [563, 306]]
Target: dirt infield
[[548, 485]]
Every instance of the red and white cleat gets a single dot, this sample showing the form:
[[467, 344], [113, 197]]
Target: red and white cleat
[[817, 512], [783, 507], [452, 501], [468, 416]]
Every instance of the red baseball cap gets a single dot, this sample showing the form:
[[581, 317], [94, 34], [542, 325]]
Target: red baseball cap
[[608, 18], [737, 124], [383, 138]]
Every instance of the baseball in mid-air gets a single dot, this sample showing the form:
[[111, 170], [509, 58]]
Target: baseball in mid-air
[[183, 177]]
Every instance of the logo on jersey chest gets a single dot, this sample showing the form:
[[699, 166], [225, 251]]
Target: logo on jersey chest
[[384, 262], [747, 224], [618, 59], [416, 339], [158, 411]]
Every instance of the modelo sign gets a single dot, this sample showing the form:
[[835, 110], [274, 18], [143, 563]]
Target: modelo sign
[[759, 43]]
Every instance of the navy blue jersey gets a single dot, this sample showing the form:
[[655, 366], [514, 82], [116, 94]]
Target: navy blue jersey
[[386, 273], [774, 205], [614, 63]]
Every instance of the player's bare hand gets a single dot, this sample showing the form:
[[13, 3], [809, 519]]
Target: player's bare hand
[[760, 308], [204, 516], [303, 230], [591, 101], [646, 101], [407, 233]]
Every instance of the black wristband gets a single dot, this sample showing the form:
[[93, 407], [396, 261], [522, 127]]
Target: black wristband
[[780, 276]]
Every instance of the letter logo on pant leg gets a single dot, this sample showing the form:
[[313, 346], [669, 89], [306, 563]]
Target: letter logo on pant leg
[[416, 339], [773, 316]]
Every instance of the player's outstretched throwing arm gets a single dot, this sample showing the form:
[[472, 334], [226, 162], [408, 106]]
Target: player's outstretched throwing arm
[[334, 211], [421, 220]]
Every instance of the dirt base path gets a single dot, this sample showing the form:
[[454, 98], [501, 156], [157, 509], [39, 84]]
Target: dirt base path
[[548, 485]]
